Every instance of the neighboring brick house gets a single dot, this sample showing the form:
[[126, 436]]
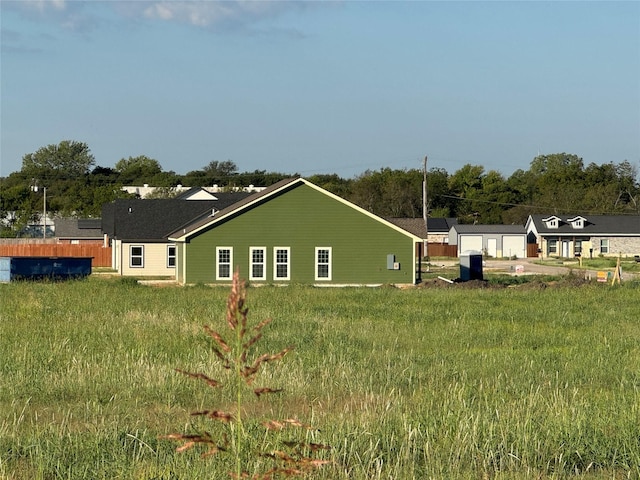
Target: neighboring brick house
[[584, 235], [79, 230]]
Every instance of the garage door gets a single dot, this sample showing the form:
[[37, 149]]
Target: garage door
[[470, 242], [514, 245]]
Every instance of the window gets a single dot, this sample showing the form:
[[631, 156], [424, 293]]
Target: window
[[224, 258], [171, 256], [552, 246], [604, 245], [551, 222], [136, 256], [577, 247], [258, 259], [577, 222], [281, 264], [323, 263]]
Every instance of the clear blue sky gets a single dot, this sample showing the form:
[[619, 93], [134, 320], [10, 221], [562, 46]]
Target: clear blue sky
[[322, 87]]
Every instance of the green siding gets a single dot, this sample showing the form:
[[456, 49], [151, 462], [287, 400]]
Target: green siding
[[179, 263], [304, 218]]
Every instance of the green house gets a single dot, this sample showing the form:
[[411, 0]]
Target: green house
[[295, 232]]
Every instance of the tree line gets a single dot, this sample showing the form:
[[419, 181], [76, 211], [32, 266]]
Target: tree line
[[558, 183]]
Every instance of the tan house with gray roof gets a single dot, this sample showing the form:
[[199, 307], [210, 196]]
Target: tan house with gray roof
[[584, 235]]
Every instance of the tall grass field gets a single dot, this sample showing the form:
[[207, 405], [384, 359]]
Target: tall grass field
[[451, 383]]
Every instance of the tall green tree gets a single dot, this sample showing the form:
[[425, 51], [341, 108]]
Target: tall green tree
[[220, 171], [332, 183], [522, 184], [389, 193], [559, 179], [439, 202], [466, 185], [137, 170], [69, 159], [497, 198], [628, 186]]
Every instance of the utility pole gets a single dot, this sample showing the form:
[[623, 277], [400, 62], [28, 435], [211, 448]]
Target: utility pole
[[34, 188], [424, 212], [44, 228]]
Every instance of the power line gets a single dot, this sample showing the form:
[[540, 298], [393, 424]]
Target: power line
[[537, 207]]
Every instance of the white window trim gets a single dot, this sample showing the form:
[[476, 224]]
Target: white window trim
[[275, 263], [329, 264], [175, 252], [577, 222], [607, 247], [218, 264], [131, 247], [264, 263], [552, 222]]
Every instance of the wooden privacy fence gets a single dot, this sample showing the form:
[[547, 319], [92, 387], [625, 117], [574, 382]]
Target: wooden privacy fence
[[445, 250], [442, 250], [438, 250], [101, 256]]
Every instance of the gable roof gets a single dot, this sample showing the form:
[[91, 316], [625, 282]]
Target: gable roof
[[72, 228], [282, 186], [416, 225], [152, 220], [481, 229], [196, 193], [622, 225]]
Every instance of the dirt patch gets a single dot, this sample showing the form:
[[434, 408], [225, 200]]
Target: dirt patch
[[535, 283], [457, 283]]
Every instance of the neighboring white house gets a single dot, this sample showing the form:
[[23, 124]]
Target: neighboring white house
[[145, 190], [584, 235], [497, 241]]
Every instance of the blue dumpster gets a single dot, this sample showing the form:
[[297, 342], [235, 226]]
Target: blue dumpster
[[37, 268]]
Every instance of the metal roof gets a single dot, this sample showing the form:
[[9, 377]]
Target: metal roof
[[480, 229]]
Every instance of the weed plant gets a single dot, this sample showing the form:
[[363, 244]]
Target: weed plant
[[510, 383], [292, 458]]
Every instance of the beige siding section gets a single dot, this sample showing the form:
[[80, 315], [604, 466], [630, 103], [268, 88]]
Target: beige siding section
[[155, 260]]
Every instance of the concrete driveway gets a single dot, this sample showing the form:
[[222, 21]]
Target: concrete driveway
[[528, 267]]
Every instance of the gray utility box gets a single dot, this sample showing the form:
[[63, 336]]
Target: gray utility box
[[470, 265]]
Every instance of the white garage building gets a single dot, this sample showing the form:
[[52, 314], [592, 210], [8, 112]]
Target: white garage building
[[497, 241]]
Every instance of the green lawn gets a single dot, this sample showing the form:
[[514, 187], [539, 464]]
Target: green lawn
[[523, 382]]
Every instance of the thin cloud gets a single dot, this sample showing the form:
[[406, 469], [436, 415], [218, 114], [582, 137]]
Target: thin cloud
[[70, 16], [216, 13], [252, 17], [42, 6]]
